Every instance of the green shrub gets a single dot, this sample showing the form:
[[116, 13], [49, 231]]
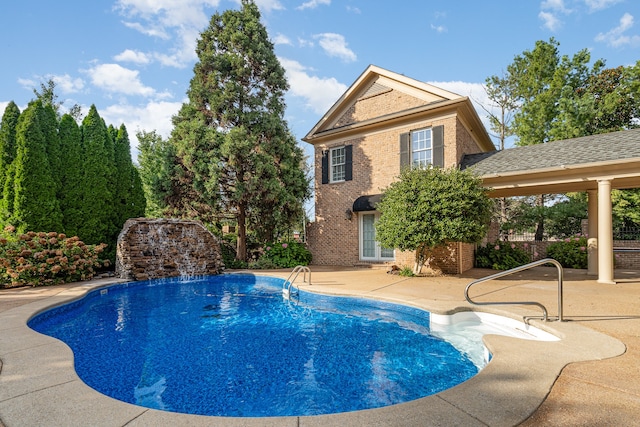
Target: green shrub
[[501, 256], [570, 252], [262, 263], [287, 254], [406, 272], [40, 259]]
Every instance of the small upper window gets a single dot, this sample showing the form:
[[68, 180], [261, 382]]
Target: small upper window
[[421, 148], [338, 163]]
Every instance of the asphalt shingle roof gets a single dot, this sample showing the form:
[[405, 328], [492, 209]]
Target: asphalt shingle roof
[[587, 149]]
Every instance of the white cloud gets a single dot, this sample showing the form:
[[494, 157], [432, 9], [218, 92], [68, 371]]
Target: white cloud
[[28, 83], [550, 21], [282, 39], [68, 84], [616, 36], [134, 56], [354, 9], [319, 93], [115, 78], [149, 30], [64, 83], [335, 45], [475, 92], [152, 116], [180, 21], [595, 5], [269, 5], [439, 28], [555, 5], [312, 4]]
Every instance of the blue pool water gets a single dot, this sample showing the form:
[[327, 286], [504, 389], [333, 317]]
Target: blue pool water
[[230, 345]]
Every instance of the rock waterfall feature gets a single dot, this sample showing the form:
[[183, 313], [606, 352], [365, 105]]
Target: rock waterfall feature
[[155, 248]]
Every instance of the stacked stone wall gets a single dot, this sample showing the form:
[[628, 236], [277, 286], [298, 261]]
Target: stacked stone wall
[[157, 248]]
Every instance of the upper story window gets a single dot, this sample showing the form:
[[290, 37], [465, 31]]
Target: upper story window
[[421, 148], [338, 162]]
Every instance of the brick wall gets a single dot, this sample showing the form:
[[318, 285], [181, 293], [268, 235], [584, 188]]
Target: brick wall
[[371, 107], [332, 238]]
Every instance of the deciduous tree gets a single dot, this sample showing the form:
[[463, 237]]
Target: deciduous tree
[[428, 208]]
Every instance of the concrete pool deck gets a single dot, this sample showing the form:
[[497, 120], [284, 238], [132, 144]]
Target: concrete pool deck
[[591, 377]]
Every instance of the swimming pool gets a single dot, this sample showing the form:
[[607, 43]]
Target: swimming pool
[[230, 345]]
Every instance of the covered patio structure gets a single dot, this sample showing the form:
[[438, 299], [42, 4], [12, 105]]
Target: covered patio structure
[[595, 164]]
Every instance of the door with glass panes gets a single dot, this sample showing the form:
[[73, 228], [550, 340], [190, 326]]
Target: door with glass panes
[[370, 249]]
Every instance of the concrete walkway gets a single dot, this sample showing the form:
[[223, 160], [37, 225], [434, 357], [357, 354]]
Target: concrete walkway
[[589, 378]]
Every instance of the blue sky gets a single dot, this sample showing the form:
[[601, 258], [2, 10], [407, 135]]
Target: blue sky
[[133, 59]]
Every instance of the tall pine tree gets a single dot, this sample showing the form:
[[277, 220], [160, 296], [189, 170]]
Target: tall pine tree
[[231, 137]]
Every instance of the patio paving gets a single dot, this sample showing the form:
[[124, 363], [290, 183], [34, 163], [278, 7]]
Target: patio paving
[[589, 378]]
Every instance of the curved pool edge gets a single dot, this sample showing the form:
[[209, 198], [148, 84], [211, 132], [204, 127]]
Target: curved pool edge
[[38, 384]]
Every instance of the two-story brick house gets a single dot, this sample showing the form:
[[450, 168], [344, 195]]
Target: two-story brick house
[[383, 122]]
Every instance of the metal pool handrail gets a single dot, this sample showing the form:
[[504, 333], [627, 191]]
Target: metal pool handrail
[[288, 284], [517, 270]]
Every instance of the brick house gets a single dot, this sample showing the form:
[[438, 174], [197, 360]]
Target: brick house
[[381, 123]]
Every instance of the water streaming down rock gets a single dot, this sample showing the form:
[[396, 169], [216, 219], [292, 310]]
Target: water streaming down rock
[[155, 248]]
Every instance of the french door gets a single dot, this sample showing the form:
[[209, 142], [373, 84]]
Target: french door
[[370, 249]]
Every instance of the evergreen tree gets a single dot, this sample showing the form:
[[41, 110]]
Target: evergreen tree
[[49, 125], [96, 219], [231, 138], [35, 205], [72, 176], [156, 161], [7, 155], [129, 199]]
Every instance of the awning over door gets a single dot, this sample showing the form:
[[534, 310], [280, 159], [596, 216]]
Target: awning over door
[[366, 203]]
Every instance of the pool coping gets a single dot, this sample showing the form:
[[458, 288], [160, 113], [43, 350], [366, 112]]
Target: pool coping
[[38, 384]]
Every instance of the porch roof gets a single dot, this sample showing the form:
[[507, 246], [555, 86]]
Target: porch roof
[[561, 166]]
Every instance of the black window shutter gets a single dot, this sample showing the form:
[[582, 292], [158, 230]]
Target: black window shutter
[[348, 162], [325, 167], [437, 133], [405, 150]]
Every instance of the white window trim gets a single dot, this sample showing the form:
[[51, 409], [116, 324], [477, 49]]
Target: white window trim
[[331, 165], [430, 160]]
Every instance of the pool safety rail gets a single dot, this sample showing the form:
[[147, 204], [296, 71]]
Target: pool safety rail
[[545, 316], [288, 287]]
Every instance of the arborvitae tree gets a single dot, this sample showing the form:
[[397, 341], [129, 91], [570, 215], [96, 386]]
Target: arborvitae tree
[[157, 160], [231, 136], [72, 177], [96, 219], [129, 199], [7, 155], [35, 204], [49, 125]]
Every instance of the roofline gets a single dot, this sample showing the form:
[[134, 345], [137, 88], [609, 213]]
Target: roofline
[[370, 71], [622, 173], [475, 128]]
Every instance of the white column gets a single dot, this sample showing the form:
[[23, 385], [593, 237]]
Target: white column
[[605, 233], [592, 231]]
